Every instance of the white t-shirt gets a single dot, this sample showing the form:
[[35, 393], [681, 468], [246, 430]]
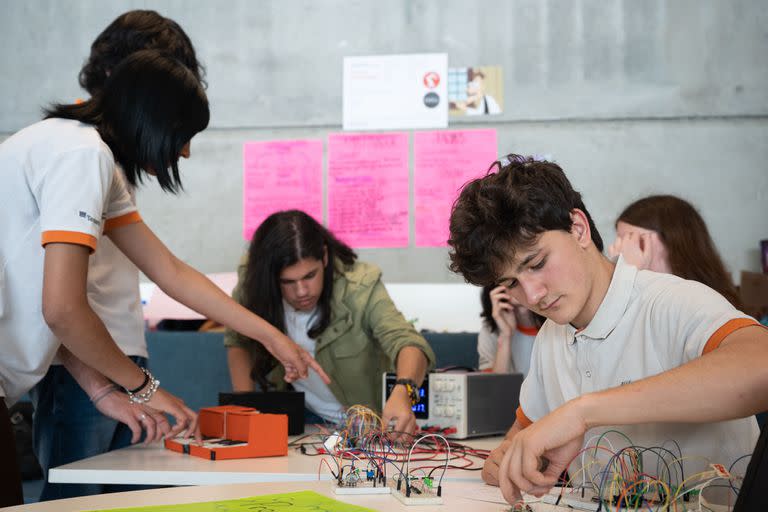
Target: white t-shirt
[[318, 397], [519, 351], [648, 323], [58, 183]]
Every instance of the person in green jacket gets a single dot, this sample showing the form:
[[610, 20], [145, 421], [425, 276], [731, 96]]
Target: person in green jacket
[[299, 277]]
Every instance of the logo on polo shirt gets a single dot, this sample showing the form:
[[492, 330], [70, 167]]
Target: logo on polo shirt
[[89, 218], [625, 382]]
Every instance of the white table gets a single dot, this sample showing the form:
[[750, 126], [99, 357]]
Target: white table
[[457, 497], [154, 465]]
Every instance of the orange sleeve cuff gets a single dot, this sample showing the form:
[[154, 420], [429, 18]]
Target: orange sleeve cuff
[[727, 328], [69, 237], [522, 419], [528, 331], [122, 220]]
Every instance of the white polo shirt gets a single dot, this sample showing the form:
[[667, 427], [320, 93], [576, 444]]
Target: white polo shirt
[[648, 323], [113, 293], [58, 183]]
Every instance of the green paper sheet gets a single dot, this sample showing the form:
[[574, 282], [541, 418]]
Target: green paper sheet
[[303, 501]]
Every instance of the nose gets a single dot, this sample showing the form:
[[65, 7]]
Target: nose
[[186, 151], [302, 289], [533, 289]]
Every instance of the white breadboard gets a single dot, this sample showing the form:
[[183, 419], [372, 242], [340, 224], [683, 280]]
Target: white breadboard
[[360, 488], [429, 497]]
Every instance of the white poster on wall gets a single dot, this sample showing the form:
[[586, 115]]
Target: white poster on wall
[[395, 91]]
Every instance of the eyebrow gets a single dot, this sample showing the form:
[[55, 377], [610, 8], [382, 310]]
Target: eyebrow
[[305, 276], [521, 266], [527, 260]]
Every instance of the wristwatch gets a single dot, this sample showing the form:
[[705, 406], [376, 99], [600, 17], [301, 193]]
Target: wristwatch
[[411, 388]]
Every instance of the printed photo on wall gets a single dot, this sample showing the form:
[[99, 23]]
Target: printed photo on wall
[[475, 91]]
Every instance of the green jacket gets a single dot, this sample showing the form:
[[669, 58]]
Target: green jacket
[[362, 341]]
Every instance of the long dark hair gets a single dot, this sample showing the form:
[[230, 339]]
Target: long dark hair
[[150, 107], [690, 249], [130, 32], [282, 240]]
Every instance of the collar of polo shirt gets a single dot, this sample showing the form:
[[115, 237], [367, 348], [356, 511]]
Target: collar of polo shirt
[[613, 306]]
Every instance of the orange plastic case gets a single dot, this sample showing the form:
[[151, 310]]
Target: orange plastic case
[[235, 432]]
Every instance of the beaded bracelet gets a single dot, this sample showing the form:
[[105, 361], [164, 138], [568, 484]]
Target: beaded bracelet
[[146, 395]]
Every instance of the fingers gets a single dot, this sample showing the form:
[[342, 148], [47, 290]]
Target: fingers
[[163, 427], [291, 374], [411, 426], [499, 295], [511, 476], [316, 366], [196, 430], [615, 248], [135, 427], [490, 471], [401, 426], [386, 417], [184, 418], [509, 489], [532, 471], [149, 426]]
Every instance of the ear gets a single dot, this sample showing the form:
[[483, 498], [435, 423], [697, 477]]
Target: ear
[[580, 228]]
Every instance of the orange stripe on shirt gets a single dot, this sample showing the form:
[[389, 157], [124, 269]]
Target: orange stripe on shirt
[[122, 220], [522, 419], [529, 331], [727, 328], [69, 237]]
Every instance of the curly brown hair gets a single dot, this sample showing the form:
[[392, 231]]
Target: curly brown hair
[[505, 211]]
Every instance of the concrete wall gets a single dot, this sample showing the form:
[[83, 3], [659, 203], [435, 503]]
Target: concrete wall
[[630, 97]]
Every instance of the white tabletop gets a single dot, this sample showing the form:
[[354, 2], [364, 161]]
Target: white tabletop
[[154, 465], [457, 497]]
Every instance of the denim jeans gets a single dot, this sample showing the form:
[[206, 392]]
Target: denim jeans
[[67, 427]]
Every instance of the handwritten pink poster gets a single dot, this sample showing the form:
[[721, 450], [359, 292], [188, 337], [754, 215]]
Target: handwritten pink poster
[[368, 189], [281, 175], [443, 162]]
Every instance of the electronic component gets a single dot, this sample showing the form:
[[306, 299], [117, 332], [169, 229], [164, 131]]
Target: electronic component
[[466, 404], [332, 442], [358, 481], [417, 491], [355, 483], [234, 432]]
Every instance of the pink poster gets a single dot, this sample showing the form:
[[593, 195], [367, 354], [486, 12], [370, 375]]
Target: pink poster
[[368, 189], [443, 162], [281, 175]]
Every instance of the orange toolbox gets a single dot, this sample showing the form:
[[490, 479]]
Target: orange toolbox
[[235, 432]]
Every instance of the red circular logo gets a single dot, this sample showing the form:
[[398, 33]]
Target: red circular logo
[[431, 79]]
